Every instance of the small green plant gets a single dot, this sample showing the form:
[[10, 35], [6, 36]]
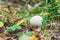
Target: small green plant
[[13, 28]]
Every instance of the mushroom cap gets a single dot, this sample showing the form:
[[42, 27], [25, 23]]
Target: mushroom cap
[[36, 20]]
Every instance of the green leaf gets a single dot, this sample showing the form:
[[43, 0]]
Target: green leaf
[[13, 28], [1, 24], [27, 19], [30, 32]]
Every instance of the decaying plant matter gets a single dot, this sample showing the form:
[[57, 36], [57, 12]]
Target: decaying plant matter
[[19, 19]]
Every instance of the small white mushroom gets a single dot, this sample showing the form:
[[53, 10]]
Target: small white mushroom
[[36, 20]]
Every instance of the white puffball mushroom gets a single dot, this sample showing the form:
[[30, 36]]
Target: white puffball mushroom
[[36, 20]]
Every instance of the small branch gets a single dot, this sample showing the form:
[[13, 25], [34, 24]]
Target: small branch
[[36, 5]]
